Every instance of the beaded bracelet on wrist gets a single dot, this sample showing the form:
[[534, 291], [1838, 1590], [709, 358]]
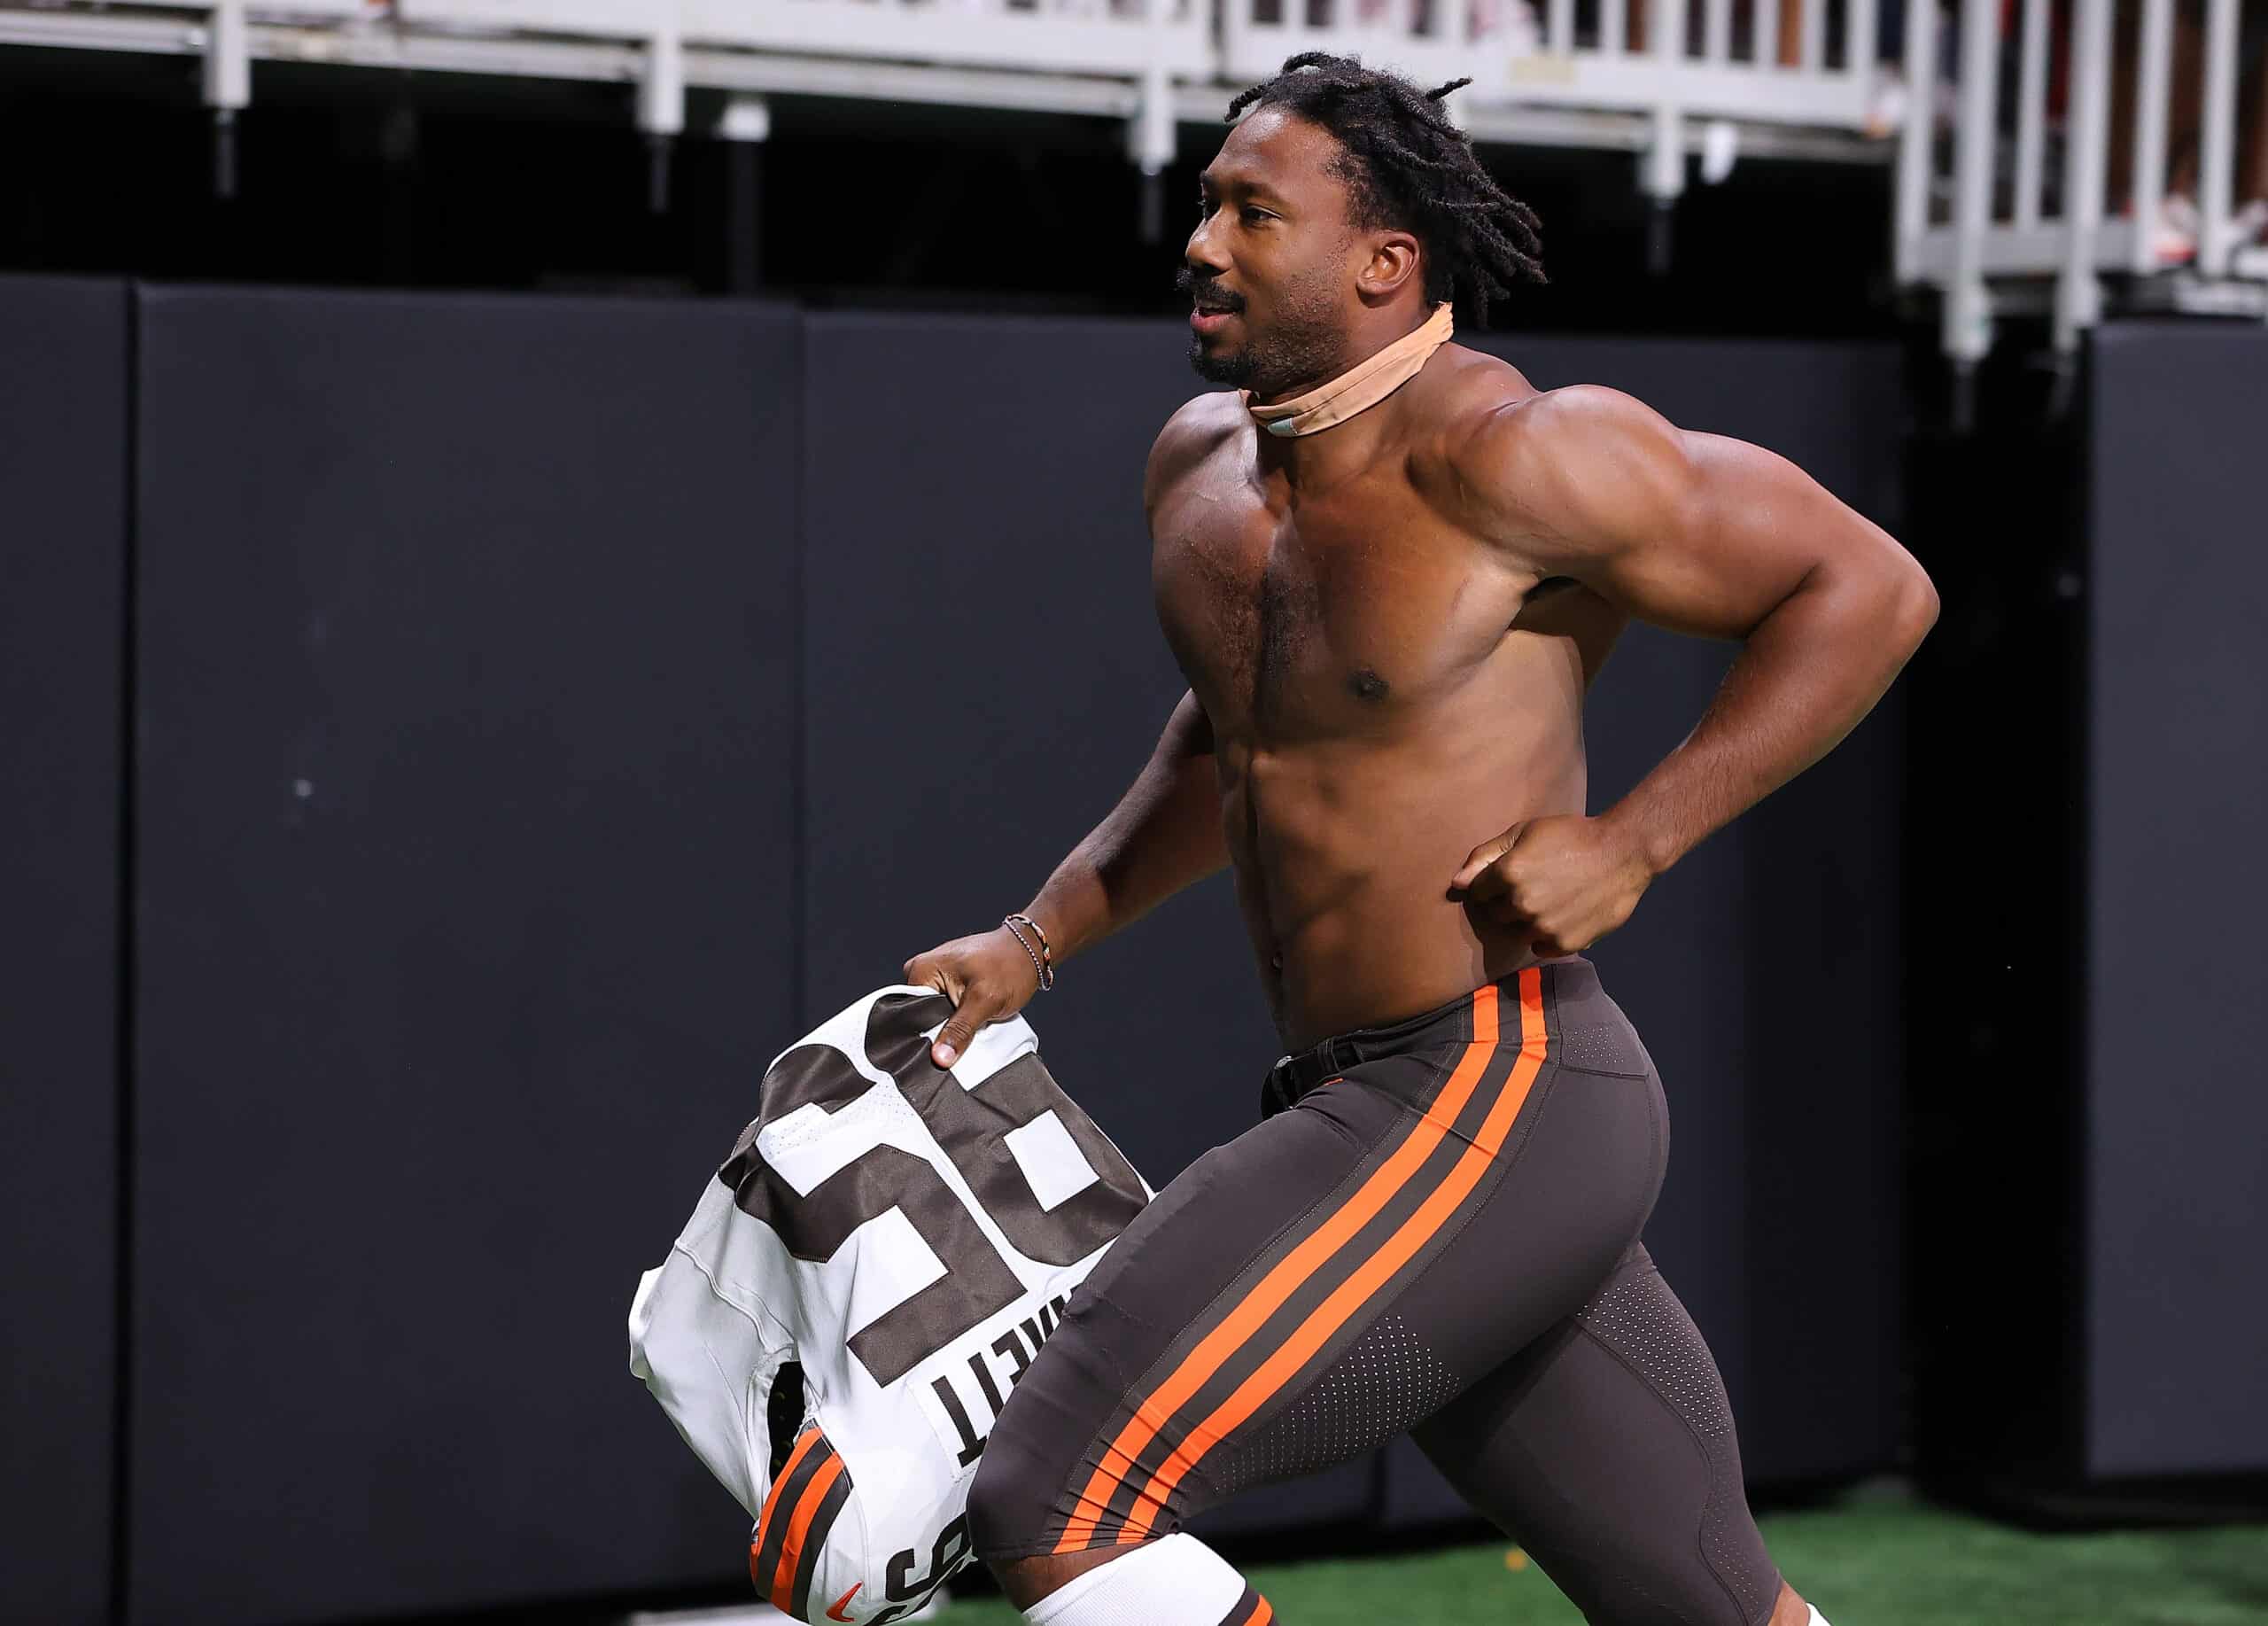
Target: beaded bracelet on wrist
[[1042, 958]]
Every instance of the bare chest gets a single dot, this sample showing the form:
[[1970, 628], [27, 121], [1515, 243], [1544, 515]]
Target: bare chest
[[1309, 617]]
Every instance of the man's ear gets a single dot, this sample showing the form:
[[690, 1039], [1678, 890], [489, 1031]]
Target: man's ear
[[1393, 261]]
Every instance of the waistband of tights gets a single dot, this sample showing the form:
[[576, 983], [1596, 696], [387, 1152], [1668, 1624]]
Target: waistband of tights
[[1571, 978]]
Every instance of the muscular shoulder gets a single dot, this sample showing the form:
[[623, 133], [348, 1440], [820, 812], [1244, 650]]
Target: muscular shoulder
[[1192, 434], [1553, 464], [1545, 424], [1459, 397]]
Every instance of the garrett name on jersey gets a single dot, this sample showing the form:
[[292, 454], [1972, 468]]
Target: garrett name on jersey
[[864, 1283]]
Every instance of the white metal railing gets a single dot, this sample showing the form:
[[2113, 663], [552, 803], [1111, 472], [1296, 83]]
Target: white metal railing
[[1672, 62], [1152, 43], [1097, 38], [1665, 61], [1685, 56], [1984, 215], [1992, 204], [227, 24], [1512, 54]]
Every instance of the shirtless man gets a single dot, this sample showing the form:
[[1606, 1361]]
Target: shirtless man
[[1389, 569]]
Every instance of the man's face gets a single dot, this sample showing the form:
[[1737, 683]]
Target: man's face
[[1271, 267]]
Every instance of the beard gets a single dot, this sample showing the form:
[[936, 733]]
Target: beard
[[1233, 368], [1304, 345]]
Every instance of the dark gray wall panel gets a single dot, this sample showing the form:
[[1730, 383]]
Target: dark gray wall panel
[[1824, 1169], [63, 515], [2175, 1022], [985, 678], [467, 847]]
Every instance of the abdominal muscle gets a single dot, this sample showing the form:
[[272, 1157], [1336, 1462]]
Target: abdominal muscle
[[1344, 847]]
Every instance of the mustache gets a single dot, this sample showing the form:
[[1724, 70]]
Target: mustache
[[1207, 297]]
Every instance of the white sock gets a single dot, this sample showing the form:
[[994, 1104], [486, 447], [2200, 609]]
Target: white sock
[[1817, 1619], [1178, 1579]]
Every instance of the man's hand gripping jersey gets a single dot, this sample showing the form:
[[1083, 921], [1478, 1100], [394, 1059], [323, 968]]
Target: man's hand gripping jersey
[[905, 1237]]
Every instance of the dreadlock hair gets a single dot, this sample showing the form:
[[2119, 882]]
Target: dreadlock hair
[[1407, 167]]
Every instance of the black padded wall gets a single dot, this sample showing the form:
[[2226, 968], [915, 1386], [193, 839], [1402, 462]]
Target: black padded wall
[[63, 518], [467, 847], [2100, 696], [1995, 705], [2176, 1181], [986, 677]]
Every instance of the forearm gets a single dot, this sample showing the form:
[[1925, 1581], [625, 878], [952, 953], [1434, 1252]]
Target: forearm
[[1809, 672], [1164, 834]]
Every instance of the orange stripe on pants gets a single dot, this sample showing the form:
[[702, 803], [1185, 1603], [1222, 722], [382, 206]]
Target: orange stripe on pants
[[1375, 1273], [1252, 1312]]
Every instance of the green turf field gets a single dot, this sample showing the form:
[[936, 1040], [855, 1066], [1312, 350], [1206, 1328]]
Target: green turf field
[[1871, 1560]]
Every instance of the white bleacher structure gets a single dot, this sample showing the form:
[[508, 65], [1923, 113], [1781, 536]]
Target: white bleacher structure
[[1975, 188], [1660, 79]]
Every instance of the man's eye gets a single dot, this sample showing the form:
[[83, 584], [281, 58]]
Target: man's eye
[[1253, 217]]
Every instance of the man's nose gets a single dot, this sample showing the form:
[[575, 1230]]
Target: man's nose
[[1203, 254]]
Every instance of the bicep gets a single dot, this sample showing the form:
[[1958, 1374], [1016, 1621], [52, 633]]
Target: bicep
[[1698, 533], [1750, 529]]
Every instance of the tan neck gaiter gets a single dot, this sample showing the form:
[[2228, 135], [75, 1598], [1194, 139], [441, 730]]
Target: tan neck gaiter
[[1359, 388]]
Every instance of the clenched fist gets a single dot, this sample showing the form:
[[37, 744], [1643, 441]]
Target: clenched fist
[[987, 976], [1565, 881]]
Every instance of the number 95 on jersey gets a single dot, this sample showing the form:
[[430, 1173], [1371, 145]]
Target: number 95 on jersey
[[908, 1237]]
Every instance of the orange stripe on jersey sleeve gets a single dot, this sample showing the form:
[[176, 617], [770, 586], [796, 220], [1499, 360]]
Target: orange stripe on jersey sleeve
[[783, 1576], [804, 1445], [1252, 1312]]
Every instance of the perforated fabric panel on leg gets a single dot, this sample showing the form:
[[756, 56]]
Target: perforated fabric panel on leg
[[1382, 1383], [1643, 1322]]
